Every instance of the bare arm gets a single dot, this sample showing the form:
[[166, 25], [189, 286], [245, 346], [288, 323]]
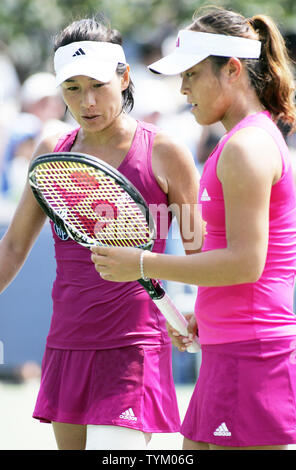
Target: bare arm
[[248, 167], [177, 175], [23, 230]]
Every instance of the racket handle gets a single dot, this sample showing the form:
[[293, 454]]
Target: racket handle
[[176, 320]]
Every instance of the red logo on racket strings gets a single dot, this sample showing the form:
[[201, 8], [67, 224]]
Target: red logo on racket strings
[[70, 198], [81, 180], [84, 181], [101, 208]]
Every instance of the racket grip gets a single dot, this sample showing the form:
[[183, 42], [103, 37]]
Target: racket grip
[[176, 320]]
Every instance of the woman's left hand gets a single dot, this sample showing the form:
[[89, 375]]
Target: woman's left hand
[[117, 263], [183, 342]]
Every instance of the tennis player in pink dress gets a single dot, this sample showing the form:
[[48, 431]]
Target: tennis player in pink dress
[[106, 373], [236, 71]]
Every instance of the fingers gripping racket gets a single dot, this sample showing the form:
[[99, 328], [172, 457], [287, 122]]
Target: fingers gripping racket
[[96, 205]]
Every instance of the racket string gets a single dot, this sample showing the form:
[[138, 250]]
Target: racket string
[[93, 203]]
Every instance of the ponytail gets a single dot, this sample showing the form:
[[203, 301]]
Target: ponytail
[[273, 77]]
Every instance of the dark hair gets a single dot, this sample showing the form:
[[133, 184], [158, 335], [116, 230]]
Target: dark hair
[[90, 29], [271, 75]]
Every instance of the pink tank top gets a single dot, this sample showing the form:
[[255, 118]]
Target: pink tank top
[[89, 312], [262, 309]]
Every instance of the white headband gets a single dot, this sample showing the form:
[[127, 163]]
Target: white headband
[[94, 59], [192, 47]]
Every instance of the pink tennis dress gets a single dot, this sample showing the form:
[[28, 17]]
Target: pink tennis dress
[[108, 355], [246, 390]]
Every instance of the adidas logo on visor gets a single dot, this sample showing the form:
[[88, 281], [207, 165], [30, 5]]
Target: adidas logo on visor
[[79, 52]]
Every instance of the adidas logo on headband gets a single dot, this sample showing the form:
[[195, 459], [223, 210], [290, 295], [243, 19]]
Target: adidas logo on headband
[[95, 59], [79, 52]]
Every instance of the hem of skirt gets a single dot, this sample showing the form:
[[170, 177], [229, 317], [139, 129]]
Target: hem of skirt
[[139, 427], [287, 439]]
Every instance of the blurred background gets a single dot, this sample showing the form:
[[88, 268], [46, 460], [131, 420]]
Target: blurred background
[[30, 108]]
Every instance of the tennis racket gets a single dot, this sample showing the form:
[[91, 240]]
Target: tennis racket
[[96, 205]]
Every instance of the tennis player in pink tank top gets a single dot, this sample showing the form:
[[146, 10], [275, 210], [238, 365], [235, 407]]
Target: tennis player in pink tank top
[[106, 374], [236, 71]]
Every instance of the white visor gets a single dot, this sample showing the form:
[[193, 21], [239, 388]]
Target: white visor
[[192, 47], [94, 59]]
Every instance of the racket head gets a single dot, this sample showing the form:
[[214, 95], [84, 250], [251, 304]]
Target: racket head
[[91, 201]]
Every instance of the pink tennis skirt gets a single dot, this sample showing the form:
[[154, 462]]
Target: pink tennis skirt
[[131, 387], [245, 395]]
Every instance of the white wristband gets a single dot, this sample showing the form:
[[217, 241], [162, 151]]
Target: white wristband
[[142, 267]]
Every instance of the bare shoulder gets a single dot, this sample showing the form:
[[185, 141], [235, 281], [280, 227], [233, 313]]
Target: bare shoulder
[[165, 145], [171, 155], [46, 145], [170, 160], [250, 152]]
